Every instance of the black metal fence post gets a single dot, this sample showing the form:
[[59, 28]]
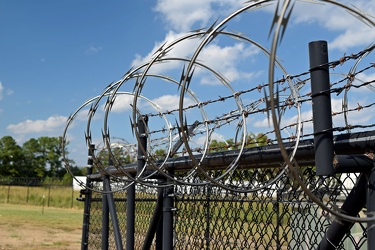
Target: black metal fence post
[[371, 210], [8, 193], [113, 213], [168, 210], [87, 205], [142, 146], [159, 229], [279, 223], [130, 205], [72, 204], [352, 206], [49, 194], [28, 192], [154, 223], [321, 106], [130, 217], [105, 218], [208, 216]]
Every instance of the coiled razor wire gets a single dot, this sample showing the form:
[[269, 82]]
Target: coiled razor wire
[[285, 13], [240, 110], [274, 105]]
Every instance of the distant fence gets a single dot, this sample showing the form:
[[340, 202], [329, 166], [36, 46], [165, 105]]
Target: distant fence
[[33, 192]]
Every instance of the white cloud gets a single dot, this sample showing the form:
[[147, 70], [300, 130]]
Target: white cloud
[[356, 117], [1, 91], [53, 123], [170, 102], [201, 140], [226, 60], [122, 103], [265, 122], [361, 79], [353, 37], [181, 50], [4, 90], [93, 50], [82, 115], [165, 102], [183, 15], [350, 30]]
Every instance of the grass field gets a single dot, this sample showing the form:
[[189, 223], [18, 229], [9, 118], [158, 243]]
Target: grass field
[[50, 196], [35, 227]]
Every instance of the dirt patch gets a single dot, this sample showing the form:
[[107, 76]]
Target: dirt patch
[[34, 228], [30, 237]]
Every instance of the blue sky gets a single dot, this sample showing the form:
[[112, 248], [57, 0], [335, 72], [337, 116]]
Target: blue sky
[[54, 55]]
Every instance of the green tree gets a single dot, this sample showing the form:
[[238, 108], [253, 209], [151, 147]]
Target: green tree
[[40, 158], [12, 160], [252, 140], [34, 159], [50, 148], [44, 157], [256, 140], [217, 146], [120, 156], [160, 154]]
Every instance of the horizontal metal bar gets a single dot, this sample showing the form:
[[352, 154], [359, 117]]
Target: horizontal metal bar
[[261, 157], [353, 163]]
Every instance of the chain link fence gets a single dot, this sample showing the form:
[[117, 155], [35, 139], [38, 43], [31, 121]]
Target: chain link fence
[[278, 216], [188, 172]]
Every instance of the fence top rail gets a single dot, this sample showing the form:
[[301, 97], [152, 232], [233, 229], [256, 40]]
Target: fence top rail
[[257, 157]]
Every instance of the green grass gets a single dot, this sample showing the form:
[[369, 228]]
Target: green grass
[[66, 219], [48, 196], [35, 227]]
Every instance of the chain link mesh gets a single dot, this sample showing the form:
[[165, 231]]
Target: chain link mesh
[[278, 216]]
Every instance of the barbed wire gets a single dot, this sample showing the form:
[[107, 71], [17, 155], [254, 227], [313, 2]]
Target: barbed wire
[[281, 104], [288, 103]]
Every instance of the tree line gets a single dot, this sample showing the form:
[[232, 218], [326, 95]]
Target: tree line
[[42, 157], [36, 158]]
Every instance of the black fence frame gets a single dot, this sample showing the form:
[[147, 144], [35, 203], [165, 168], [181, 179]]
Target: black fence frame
[[278, 216], [182, 217]]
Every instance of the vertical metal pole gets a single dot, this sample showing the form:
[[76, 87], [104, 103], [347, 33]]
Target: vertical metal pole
[[105, 218], [72, 197], [321, 106], [371, 210], [168, 210], [112, 211], [208, 216], [87, 205], [130, 205], [154, 223], [353, 204], [130, 217], [142, 146], [276, 205], [105, 211], [49, 194], [8, 192], [159, 230], [28, 191]]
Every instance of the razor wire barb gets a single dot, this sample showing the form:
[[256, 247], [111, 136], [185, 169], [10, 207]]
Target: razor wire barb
[[283, 95]]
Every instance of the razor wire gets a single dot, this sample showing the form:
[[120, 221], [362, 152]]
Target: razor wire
[[277, 98]]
